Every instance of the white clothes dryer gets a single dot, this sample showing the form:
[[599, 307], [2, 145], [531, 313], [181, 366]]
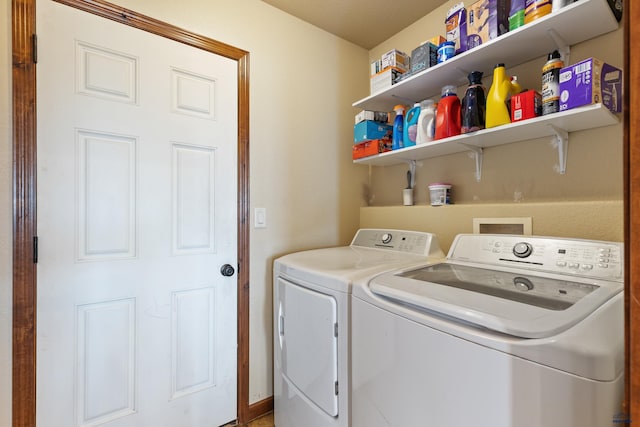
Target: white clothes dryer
[[312, 320], [509, 331]]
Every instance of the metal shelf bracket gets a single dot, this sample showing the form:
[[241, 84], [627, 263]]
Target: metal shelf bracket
[[477, 154], [412, 170], [563, 47], [561, 138]]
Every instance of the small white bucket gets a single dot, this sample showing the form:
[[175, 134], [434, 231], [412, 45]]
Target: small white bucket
[[440, 194]]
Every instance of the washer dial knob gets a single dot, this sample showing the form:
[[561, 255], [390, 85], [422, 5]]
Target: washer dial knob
[[522, 284], [386, 238], [522, 249]]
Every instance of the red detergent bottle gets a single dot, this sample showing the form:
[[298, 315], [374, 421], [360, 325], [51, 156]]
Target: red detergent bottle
[[448, 113]]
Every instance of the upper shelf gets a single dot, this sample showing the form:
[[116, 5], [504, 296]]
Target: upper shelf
[[588, 117], [577, 22]]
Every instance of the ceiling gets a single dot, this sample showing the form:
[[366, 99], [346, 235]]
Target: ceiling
[[366, 23]]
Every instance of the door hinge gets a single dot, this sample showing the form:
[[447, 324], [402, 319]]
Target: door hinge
[[34, 48], [336, 383], [35, 249]]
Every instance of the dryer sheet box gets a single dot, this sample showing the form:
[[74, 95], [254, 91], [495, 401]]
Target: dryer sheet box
[[368, 130], [384, 79], [423, 57], [371, 148], [376, 116], [591, 81], [397, 59]]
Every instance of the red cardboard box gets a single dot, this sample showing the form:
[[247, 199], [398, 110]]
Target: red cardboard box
[[371, 148], [526, 105]]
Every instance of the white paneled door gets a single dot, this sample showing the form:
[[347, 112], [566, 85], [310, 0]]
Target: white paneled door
[[137, 184]]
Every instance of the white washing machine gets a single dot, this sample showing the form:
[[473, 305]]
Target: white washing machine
[[508, 331], [312, 315]]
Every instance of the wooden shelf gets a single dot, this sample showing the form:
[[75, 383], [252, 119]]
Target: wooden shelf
[[572, 24]]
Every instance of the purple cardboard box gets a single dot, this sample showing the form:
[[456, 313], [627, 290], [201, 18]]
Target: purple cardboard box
[[486, 20], [591, 82], [456, 27]]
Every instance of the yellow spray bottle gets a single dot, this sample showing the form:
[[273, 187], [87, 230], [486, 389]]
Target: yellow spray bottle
[[501, 89]]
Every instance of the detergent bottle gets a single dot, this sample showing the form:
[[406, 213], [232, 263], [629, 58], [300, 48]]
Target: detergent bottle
[[551, 83], [448, 113], [535, 9], [473, 104], [426, 122], [501, 89], [397, 140], [411, 125]]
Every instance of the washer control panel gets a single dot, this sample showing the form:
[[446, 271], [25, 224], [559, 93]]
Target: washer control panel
[[413, 242], [591, 258]]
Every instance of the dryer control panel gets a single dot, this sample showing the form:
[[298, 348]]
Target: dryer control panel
[[590, 258], [411, 242]]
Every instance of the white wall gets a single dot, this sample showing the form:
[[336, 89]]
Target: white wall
[[302, 83], [5, 213]]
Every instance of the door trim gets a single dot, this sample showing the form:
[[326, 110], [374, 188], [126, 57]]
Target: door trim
[[24, 193], [631, 214]]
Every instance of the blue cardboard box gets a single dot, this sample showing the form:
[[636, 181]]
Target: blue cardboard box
[[368, 130]]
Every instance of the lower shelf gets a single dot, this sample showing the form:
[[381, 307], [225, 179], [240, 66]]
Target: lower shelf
[[557, 125]]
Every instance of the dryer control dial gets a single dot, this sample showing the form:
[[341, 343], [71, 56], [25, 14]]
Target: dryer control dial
[[386, 238], [522, 249]]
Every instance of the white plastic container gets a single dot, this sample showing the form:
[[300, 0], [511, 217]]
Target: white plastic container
[[440, 194], [426, 122]]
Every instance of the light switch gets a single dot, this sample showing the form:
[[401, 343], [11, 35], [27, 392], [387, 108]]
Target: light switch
[[260, 218]]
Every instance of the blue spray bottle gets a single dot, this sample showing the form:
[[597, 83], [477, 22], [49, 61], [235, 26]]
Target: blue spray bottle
[[398, 128], [411, 125]]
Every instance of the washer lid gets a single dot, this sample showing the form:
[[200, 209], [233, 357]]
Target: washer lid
[[510, 301]]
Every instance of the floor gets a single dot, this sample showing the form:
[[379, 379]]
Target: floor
[[265, 421]]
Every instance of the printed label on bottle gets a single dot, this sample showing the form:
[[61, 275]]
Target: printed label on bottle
[[551, 87], [516, 20]]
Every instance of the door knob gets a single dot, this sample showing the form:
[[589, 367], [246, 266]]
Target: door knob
[[227, 270]]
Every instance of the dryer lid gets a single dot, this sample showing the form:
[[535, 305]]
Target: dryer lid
[[336, 268], [513, 302]]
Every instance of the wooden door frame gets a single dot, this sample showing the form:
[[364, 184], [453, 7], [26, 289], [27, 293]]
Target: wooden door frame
[[632, 208], [24, 56]]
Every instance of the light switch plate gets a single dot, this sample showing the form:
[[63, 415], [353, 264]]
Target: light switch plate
[[260, 218]]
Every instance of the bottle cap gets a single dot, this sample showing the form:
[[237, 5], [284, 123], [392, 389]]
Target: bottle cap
[[501, 64], [426, 103], [553, 55], [448, 90], [398, 107], [475, 77]]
